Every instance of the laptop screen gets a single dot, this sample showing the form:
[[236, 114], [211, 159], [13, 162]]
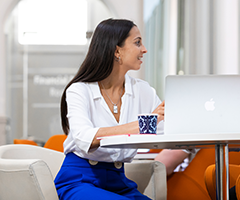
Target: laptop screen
[[202, 104]]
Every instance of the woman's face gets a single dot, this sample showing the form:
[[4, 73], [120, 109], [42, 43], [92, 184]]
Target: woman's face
[[131, 53]]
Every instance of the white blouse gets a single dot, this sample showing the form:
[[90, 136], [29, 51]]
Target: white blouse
[[88, 111]]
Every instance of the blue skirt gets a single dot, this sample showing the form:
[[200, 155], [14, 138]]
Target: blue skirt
[[80, 180]]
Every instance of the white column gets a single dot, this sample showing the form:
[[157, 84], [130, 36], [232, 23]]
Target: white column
[[170, 37], [226, 36], [2, 74], [189, 37], [203, 36], [197, 37]]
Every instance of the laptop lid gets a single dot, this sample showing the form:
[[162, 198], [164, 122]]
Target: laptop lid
[[202, 104]]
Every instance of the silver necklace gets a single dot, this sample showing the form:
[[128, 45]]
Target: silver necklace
[[115, 107]]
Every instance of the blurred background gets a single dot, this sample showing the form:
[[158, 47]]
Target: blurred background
[[43, 43]]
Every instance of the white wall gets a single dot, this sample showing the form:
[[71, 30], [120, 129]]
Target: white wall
[[132, 10]]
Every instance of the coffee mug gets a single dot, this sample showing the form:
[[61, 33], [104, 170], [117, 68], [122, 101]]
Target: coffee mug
[[147, 123]]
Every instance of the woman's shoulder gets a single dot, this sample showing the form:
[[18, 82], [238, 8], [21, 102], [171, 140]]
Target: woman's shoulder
[[90, 89], [79, 87]]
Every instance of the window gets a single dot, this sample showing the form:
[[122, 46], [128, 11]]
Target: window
[[52, 22]]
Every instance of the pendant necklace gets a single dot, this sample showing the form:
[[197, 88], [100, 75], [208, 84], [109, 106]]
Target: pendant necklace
[[115, 107]]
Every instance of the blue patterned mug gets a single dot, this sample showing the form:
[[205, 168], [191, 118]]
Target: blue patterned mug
[[147, 123]]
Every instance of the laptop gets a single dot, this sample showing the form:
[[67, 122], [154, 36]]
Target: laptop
[[208, 104]]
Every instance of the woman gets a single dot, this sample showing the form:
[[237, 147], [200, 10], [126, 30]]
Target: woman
[[103, 100]]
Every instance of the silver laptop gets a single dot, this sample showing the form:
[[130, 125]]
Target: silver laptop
[[202, 104]]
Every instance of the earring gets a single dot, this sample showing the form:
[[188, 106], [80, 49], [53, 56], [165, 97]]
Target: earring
[[117, 59]]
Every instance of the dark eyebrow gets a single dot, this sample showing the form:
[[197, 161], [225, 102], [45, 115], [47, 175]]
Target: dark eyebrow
[[138, 38]]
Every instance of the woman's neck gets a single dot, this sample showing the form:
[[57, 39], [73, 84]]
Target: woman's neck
[[114, 82]]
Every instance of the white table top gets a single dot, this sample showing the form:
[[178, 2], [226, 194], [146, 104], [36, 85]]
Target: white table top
[[150, 141]]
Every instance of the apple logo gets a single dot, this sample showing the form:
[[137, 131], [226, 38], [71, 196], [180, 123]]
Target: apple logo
[[209, 105]]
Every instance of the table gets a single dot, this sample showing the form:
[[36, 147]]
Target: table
[[149, 141]]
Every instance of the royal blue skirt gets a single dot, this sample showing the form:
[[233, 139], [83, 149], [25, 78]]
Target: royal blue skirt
[[80, 180]]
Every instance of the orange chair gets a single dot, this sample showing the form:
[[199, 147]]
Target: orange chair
[[189, 184], [210, 178], [234, 175], [55, 142], [24, 141]]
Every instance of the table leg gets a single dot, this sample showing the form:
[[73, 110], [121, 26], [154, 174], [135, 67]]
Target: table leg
[[219, 170], [227, 171]]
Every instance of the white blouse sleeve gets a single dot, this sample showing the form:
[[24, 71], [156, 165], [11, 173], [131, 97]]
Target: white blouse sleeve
[[79, 117]]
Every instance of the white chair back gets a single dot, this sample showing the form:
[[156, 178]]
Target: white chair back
[[52, 158], [27, 172]]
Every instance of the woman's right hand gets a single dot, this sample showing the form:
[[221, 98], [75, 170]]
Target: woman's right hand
[[160, 111]]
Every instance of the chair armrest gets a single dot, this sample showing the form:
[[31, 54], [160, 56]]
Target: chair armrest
[[26, 179], [150, 177]]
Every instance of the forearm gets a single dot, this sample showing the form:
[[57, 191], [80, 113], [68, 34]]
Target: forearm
[[171, 159], [129, 128]]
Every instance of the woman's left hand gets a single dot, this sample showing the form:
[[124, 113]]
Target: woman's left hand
[[160, 111]]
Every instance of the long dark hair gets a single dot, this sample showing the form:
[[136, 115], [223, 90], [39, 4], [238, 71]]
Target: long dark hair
[[98, 63]]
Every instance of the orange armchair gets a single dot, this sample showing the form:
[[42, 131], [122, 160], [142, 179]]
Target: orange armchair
[[24, 141], [210, 179], [189, 184], [55, 142], [234, 175], [234, 178]]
